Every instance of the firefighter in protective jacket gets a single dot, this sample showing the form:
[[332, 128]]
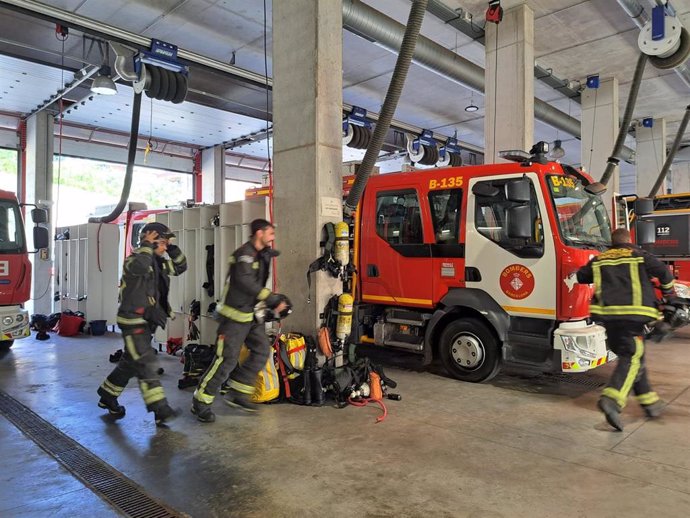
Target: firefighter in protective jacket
[[245, 287], [624, 302], [144, 307]]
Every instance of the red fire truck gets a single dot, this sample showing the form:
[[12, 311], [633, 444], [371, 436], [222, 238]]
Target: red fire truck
[[471, 264], [15, 268]]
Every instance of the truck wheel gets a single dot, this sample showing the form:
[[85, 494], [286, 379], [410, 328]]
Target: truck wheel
[[469, 351], [5, 344]]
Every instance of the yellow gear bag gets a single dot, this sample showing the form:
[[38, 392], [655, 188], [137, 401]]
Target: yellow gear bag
[[266, 385], [293, 353]]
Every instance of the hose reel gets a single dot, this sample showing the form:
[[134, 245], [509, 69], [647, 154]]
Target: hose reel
[[357, 130], [425, 150], [664, 39]]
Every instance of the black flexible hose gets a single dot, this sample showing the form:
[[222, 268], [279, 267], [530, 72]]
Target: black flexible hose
[[402, 65], [612, 161], [671, 154], [131, 154]]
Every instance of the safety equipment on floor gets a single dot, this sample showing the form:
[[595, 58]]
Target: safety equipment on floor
[[70, 324], [41, 324], [208, 285], [197, 358], [267, 383]]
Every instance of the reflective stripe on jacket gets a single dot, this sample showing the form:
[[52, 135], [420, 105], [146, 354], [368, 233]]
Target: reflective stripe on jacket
[[146, 281], [622, 283], [245, 284]]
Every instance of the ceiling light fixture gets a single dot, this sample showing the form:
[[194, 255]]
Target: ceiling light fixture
[[103, 84], [557, 150], [471, 107]]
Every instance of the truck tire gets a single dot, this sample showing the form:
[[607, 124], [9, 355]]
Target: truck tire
[[469, 351], [5, 344]]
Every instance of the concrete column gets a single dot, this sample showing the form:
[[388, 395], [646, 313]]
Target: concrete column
[[213, 175], [599, 132], [680, 177], [307, 146], [509, 83], [650, 154], [39, 186]]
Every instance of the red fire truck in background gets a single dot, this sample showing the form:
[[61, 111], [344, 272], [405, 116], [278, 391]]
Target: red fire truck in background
[[15, 268], [470, 264]]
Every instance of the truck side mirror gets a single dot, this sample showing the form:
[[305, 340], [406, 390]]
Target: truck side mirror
[[644, 206], [645, 232], [39, 216], [41, 239], [519, 222], [595, 188], [518, 191]]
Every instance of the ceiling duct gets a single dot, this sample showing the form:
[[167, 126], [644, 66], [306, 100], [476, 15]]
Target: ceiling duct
[[361, 19]]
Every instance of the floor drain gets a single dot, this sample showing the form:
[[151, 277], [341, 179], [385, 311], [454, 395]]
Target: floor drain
[[104, 480]]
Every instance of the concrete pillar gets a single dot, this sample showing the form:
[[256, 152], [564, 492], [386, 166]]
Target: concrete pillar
[[307, 147], [680, 177], [650, 154], [509, 83], [213, 175], [39, 186], [599, 130]]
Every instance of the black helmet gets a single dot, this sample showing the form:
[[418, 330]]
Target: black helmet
[[162, 230]]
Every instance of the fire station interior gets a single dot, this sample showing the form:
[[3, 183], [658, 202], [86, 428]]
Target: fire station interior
[[204, 115]]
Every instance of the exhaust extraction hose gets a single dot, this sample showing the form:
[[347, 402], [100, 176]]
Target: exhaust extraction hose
[[129, 171], [612, 161], [402, 65], [671, 154]]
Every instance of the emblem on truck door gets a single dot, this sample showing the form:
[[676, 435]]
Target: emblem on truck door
[[517, 281]]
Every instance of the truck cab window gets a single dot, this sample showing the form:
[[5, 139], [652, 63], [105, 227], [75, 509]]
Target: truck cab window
[[398, 219], [11, 234], [445, 214], [490, 219]]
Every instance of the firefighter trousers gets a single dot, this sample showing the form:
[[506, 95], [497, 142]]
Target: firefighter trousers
[[626, 339], [138, 359], [231, 336]]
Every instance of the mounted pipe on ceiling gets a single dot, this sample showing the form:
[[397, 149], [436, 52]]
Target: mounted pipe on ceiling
[[378, 28]]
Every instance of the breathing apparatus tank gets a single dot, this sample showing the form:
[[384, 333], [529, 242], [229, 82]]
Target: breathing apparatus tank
[[341, 249], [344, 322]]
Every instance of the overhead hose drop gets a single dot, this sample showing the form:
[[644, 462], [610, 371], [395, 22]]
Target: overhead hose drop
[[612, 161], [402, 65], [129, 171], [671, 154]]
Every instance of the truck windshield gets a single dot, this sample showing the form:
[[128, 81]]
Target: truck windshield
[[11, 228], [585, 229]]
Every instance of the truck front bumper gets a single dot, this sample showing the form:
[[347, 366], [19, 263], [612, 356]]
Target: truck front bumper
[[582, 346], [14, 323]]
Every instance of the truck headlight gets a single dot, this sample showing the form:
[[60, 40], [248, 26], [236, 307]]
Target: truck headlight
[[682, 290], [569, 344], [20, 318], [7, 320]]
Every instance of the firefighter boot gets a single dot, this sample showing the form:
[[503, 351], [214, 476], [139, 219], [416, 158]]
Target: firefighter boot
[[109, 402], [165, 414], [203, 412], [242, 401], [316, 387], [612, 412], [654, 410]]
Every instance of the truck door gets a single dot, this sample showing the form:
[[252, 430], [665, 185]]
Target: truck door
[[395, 266], [448, 254], [519, 274]]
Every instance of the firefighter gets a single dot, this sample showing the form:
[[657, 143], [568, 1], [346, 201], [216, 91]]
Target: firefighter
[[245, 288], [624, 303], [144, 307]]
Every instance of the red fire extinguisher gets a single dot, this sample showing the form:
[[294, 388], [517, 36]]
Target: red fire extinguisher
[[494, 13]]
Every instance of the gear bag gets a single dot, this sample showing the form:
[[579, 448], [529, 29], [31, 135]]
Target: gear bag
[[196, 359], [267, 383]]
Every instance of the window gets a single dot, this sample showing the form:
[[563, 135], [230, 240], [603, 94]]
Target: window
[[8, 169], [491, 216], [445, 214], [398, 219], [11, 229]]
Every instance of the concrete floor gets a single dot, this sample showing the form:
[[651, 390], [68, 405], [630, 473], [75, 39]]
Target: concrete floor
[[520, 446]]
